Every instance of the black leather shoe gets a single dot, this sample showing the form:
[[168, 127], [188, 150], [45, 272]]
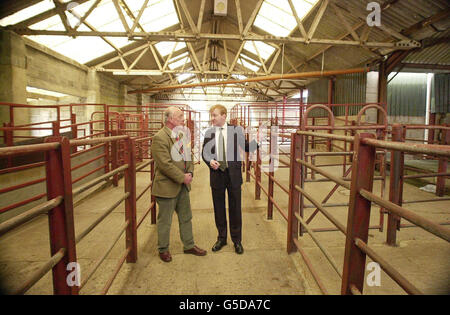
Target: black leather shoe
[[238, 248], [218, 246]]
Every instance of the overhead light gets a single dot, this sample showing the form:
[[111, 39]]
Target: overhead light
[[138, 72], [220, 7]]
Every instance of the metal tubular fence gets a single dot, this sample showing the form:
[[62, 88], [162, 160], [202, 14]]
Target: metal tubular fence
[[366, 153], [60, 208]]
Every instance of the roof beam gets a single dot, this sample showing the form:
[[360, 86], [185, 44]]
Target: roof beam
[[316, 21], [188, 16], [252, 18], [239, 16], [200, 16], [299, 22], [121, 16], [40, 17], [176, 36], [344, 21], [138, 17]]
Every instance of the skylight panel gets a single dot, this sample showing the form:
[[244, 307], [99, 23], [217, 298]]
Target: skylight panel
[[159, 15], [265, 51], [76, 48], [165, 48], [52, 24], [247, 64], [179, 61], [184, 76], [276, 17], [27, 13]]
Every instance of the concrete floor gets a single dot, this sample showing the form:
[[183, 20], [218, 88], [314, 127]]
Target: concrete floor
[[264, 268]]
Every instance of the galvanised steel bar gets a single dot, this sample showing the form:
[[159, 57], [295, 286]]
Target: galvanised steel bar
[[130, 202], [116, 271], [75, 180], [332, 191], [333, 178], [97, 264], [87, 230], [97, 140], [426, 200], [140, 167], [395, 185], [87, 150], [310, 267], [321, 247], [427, 175], [42, 271], [358, 215], [409, 215], [394, 274], [28, 215], [274, 180], [430, 149], [318, 206], [23, 202], [355, 290], [30, 183], [325, 135], [61, 222], [89, 161], [26, 149], [97, 180], [144, 215], [20, 168]]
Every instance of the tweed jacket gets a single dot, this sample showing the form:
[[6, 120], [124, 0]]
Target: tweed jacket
[[170, 164]]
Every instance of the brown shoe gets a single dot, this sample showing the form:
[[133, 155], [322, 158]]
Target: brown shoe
[[166, 257], [195, 251]]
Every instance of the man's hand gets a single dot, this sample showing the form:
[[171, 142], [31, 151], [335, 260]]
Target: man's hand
[[187, 178], [214, 164]]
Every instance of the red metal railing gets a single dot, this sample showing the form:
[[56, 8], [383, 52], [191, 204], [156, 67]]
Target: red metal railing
[[59, 208], [364, 158]]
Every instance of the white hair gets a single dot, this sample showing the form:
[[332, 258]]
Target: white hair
[[168, 113]]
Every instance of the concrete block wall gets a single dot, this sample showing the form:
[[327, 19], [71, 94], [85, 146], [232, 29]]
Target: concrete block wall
[[26, 63]]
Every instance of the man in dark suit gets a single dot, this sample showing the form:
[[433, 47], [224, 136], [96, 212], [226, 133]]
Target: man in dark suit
[[222, 153]]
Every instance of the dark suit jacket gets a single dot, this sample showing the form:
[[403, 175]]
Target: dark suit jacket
[[235, 142]]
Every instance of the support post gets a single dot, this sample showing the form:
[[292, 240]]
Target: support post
[[294, 196], [247, 161], [74, 130], [272, 142], [114, 158], [61, 223], [395, 184], [358, 216], [130, 202], [258, 175]]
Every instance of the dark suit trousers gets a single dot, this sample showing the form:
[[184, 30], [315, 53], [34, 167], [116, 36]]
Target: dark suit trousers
[[234, 209]]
